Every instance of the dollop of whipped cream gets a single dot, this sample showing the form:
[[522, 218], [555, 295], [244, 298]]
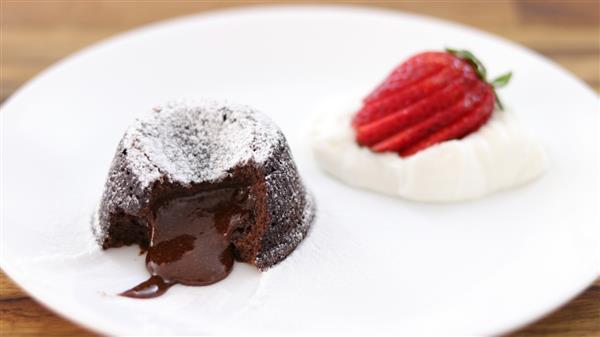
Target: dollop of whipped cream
[[497, 156]]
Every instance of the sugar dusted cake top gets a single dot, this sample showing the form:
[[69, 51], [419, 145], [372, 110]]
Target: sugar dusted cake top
[[197, 141]]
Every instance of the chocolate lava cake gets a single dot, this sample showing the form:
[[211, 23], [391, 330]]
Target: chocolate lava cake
[[199, 184]]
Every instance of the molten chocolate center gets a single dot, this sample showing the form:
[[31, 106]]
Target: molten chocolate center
[[190, 239]]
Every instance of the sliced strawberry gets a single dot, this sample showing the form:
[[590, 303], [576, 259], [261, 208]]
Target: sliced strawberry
[[430, 98], [404, 98], [467, 124], [385, 127], [388, 99], [435, 122], [408, 73]]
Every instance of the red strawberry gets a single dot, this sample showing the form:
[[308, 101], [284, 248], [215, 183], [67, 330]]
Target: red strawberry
[[430, 98]]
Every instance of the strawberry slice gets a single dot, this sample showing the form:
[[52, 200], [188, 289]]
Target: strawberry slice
[[416, 68], [387, 126], [467, 124], [436, 122], [430, 98]]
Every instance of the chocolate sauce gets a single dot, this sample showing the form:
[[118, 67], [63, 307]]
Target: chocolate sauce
[[152, 287], [190, 239]]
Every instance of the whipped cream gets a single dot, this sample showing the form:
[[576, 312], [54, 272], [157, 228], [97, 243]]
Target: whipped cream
[[497, 156]]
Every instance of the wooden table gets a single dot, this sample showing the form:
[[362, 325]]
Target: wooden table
[[36, 34]]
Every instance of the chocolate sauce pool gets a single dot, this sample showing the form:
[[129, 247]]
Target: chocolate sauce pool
[[190, 239]]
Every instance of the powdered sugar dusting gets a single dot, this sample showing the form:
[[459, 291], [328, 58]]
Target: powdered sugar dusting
[[197, 141]]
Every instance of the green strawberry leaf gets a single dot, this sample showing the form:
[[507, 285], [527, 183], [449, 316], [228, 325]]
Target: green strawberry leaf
[[501, 80]]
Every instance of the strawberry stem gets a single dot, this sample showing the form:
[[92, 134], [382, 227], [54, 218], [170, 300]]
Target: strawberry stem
[[481, 72]]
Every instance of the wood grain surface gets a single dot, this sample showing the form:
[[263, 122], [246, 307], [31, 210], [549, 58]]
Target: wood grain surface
[[35, 34]]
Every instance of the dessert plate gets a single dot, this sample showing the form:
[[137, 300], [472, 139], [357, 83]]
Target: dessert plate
[[371, 263]]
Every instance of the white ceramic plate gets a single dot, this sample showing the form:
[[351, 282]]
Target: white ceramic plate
[[371, 264]]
